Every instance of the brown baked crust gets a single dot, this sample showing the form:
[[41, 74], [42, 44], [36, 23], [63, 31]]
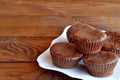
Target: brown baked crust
[[101, 64], [101, 57], [88, 40], [85, 32], [64, 55], [112, 43]]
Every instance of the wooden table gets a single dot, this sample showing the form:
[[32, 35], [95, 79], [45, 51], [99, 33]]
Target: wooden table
[[28, 26]]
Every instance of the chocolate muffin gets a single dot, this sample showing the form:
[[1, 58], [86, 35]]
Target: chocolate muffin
[[88, 39], [64, 55], [101, 64], [112, 43]]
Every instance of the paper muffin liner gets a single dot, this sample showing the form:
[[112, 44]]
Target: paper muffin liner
[[115, 37], [70, 37], [117, 52], [86, 46], [101, 70], [63, 62], [89, 47]]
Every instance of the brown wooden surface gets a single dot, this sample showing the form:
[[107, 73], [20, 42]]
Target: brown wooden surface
[[28, 26]]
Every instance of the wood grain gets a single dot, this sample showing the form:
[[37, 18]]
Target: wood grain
[[22, 49], [51, 26], [28, 71], [32, 26], [45, 8], [27, 28]]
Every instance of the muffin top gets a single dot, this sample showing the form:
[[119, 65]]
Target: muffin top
[[86, 32], [112, 41], [65, 49], [101, 57]]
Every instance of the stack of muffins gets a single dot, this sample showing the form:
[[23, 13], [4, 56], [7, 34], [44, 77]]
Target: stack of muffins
[[98, 50]]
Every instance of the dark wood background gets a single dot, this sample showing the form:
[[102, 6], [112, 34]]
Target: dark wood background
[[28, 26]]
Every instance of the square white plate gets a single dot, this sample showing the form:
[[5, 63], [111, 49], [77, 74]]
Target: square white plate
[[44, 61]]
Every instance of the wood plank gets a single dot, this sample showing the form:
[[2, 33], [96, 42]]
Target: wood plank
[[51, 26], [22, 49], [32, 26], [27, 27], [28, 71], [105, 23], [31, 31], [63, 8]]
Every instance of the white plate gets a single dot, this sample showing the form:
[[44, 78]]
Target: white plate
[[44, 61]]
